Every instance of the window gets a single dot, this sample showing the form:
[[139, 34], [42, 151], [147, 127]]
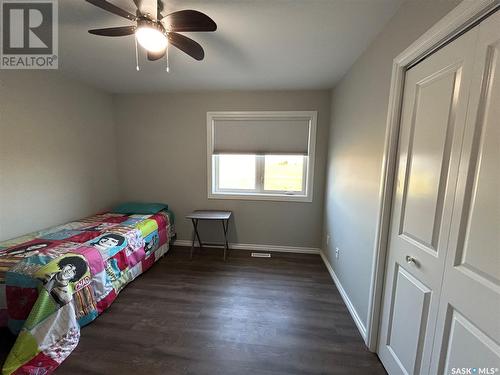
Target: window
[[261, 155], [260, 174], [235, 172], [284, 173]]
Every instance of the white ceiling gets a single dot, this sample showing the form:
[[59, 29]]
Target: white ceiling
[[259, 45]]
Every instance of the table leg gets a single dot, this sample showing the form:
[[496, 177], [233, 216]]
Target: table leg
[[225, 226], [194, 234], [197, 234]]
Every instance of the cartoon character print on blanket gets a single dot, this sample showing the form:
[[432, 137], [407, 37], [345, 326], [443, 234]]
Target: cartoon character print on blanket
[[27, 249], [10, 257], [54, 311], [70, 269], [109, 244]]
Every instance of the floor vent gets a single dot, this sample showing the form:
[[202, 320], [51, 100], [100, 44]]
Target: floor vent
[[261, 255]]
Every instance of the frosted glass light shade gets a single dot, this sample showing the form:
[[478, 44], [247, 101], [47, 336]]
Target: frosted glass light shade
[[151, 39]]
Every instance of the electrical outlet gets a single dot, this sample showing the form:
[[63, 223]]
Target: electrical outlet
[[337, 252], [327, 239]]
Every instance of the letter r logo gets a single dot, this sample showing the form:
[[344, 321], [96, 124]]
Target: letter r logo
[[27, 28]]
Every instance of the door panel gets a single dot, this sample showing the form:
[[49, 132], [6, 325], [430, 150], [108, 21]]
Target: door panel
[[433, 118], [429, 156], [467, 346], [410, 303], [468, 325]]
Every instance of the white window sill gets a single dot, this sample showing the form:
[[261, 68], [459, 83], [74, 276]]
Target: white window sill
[[261, 197]]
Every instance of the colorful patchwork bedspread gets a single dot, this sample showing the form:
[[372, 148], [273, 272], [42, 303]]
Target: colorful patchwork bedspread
[[55, 281]]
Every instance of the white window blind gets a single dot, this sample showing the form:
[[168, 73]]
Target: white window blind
[[261, 135]]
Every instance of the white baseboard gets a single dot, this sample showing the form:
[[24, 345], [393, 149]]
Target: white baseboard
[[258, 247], [345, 297]]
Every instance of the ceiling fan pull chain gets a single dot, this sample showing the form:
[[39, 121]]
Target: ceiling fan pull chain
[[168, 61], [136, 56]]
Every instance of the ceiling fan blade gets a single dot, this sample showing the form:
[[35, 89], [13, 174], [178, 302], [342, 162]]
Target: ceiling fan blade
[[103, 4], [187, 45], [188, 20], [114, 31], [153, 56]]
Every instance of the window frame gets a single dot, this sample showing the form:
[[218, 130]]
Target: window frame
[[306, 195]]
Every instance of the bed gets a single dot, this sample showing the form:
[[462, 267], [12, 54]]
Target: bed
[[55, 281]]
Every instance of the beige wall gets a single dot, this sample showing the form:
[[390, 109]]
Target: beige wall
[[356, 140], [167, 162], [57, 151]]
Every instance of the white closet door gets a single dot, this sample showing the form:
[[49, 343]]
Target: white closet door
[[468, 327], [432, 127]]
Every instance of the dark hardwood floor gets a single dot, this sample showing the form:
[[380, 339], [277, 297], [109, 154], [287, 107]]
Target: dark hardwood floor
[[244, 316]]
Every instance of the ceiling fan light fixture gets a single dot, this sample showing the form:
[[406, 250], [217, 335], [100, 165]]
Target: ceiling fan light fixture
[[151, 36]]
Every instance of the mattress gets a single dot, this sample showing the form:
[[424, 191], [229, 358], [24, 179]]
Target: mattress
[[55, 281]]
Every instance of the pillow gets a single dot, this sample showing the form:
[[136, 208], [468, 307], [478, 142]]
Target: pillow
[[139, 208]]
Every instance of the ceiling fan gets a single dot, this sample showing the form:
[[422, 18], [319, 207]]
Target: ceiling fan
[[154, 31]]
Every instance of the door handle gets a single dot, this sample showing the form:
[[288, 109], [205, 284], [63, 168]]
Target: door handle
[[411, 260]]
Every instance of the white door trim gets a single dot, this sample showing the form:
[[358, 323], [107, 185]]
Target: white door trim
[[453, 24]]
